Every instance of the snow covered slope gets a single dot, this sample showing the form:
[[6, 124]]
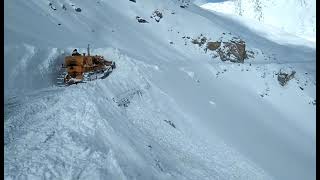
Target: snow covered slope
[[169, 111], [297, 17]]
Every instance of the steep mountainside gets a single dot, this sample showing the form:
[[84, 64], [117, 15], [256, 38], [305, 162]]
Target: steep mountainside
[[172, 109]]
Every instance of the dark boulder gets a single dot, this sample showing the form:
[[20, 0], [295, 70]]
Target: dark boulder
[[78, 9], [213, 45], [140, 20], [285, 77]]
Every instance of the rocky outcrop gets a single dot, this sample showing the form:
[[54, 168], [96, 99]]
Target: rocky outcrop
[[234, 51], [285, 77]]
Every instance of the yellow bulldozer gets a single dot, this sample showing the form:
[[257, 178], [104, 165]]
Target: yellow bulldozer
[[82, 68]]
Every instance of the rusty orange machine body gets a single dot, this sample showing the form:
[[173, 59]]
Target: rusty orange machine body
[[81, 68]]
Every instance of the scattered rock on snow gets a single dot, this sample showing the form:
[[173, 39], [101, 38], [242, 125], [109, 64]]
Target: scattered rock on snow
[[199, 40], [233, 50], [52, 7], [184, 3], [157, 15], [250, 54], [78, 9], [140, 20], [285, 77], [169, 122]]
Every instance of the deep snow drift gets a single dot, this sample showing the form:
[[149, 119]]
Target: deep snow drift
[[169, 111]]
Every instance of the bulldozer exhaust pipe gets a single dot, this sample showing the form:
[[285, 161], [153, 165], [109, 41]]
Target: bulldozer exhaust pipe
[[88, 49]]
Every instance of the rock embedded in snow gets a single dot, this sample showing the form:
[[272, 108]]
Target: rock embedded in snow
[[250, 54], [233, 51], [157, 15], [184, 3], [213, 45], [64, 7], [201, 40], [285, 77], [52, 7], [141, 20]]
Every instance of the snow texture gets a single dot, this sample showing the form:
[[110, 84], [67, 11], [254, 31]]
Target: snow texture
[[168, 111], [296, 17]]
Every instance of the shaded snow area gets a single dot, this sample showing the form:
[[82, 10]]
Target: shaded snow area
[[172, 109]]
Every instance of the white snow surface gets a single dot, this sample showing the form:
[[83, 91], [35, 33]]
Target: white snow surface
[[297, 17], [168, 111]]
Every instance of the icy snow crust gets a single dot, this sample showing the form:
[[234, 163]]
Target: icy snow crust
[[168, 111]]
